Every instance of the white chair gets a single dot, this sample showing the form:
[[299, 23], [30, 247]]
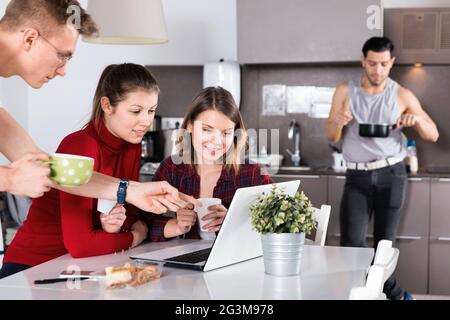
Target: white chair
[[382, 268], [322, 216]]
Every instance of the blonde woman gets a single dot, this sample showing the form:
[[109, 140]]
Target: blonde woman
[[210, 161]]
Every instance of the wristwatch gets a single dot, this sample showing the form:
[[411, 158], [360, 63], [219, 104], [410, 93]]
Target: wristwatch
[[122, 191]]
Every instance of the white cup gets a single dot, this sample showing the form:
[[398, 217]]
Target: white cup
[[201, 212], [105, 206], [339, 162]]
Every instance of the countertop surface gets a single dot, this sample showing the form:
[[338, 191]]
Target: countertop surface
[[149, 169]]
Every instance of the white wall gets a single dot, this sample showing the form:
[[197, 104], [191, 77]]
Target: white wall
[[199, 31], [14, 95]]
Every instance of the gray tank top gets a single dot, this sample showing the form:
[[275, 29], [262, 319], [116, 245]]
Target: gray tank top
[[381, 108]]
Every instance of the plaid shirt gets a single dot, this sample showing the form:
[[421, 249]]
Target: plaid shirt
[[185, 179]]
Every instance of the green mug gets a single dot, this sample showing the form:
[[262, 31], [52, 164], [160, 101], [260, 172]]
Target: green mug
[[70, 170]]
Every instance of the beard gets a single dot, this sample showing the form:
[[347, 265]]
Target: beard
[[375, 83]]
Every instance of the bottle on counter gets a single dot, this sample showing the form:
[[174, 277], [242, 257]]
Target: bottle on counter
[[412, 163]]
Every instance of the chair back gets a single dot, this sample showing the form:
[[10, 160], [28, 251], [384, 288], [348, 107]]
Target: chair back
[[382, 268], [322, 216]]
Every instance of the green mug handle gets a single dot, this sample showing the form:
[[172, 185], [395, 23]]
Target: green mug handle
[[49, 162]]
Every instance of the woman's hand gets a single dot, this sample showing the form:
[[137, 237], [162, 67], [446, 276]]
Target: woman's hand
[[158, 197], [185, 220], [139, 231], [217, 215], [113, 221]]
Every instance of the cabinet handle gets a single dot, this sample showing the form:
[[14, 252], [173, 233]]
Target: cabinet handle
[[440, 179], [370, 236], [415, 179], [443, 238], [340, 177], [408, 237], [336, 235], [296, 176]]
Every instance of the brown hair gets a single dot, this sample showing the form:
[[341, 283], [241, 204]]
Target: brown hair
[[217, 99], [118, 80], [45, 15]]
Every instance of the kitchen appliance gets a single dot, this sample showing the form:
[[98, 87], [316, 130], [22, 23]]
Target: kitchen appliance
[[226, 74], [421, 35], [153, 143], [375, 130]]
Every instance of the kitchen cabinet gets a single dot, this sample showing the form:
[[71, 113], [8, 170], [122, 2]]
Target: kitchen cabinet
[[314, 186], [412, 265], [439, 237], [291, 31], [335, 190], [412, 237], [423, 236]]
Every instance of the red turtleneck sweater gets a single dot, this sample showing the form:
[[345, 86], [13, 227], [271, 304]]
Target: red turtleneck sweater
[[59, 222]]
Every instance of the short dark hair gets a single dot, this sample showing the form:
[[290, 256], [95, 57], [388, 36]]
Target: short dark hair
[[378, 44], [45, 14]]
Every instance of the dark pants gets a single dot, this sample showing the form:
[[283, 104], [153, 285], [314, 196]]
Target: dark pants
[[380, 193], [8, 269]]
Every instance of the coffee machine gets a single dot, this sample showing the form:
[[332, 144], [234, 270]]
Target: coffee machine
[[153, 143]]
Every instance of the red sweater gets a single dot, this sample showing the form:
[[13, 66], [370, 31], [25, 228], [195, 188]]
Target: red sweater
[[59, 222]]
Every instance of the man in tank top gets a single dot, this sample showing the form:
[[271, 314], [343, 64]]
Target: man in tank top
[[376, 178]]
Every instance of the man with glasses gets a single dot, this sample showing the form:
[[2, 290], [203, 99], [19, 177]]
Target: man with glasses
[[36, 42]]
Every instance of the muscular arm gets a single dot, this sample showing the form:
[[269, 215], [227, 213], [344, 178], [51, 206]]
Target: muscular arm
[[414, 116], [15, 142], [339, 115]]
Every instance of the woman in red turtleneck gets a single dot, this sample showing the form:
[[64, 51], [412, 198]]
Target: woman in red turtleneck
[[124, 107]]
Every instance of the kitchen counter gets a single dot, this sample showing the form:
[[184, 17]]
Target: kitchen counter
[[330, 172]]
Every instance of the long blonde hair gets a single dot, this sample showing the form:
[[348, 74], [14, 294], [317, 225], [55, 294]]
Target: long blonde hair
[[216, 99]]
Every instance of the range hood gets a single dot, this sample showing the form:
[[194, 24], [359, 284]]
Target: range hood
[[419, 35]]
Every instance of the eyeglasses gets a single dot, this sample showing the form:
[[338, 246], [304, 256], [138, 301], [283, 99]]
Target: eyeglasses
[[63, 57]]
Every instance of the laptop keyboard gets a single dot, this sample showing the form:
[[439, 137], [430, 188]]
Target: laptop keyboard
[[192, 257]]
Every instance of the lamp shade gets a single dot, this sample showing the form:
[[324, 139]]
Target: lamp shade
[[128, 22]]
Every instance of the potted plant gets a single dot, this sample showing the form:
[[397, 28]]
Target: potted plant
[[283, 222]]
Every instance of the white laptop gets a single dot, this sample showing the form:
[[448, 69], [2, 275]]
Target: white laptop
[[236, 241]]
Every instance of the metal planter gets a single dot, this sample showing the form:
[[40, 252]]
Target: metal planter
[[282, 253]]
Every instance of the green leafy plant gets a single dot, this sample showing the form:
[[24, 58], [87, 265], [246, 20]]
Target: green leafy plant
[[278, 212]]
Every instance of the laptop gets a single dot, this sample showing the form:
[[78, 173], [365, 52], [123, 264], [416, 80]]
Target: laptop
[[236, 241]]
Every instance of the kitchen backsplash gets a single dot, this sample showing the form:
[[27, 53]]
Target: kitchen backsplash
[[430, 84]]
